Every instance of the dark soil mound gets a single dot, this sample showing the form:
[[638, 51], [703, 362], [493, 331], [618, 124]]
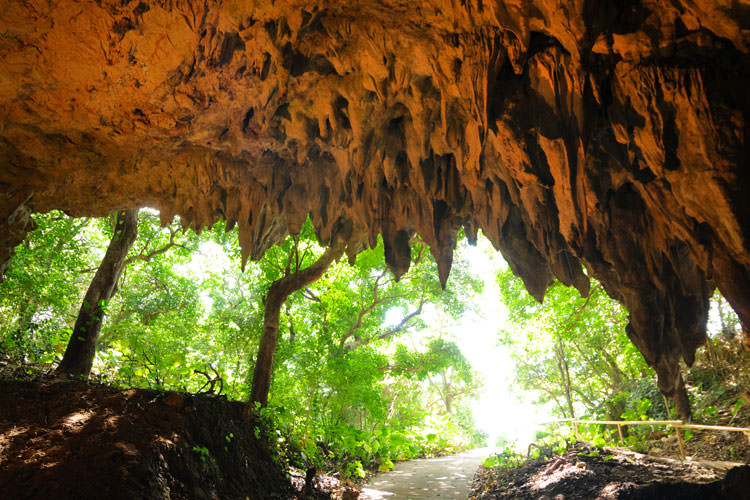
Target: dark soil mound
[[71, 440], [610, 474]]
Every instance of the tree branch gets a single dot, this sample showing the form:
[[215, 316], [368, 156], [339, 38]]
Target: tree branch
[[360, 318], [154, 314], [418, 259], [376, 301], [310, 295], [278, 292], [147, 257], [403, 325]]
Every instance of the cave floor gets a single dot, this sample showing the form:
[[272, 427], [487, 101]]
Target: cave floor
[[73, 440], [67, 439], [611, 473]]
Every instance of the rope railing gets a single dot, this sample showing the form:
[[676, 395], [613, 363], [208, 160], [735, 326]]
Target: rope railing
[[675, 424]]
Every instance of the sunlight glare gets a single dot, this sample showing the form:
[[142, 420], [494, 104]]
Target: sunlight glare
[[211, 259], [498, 411]]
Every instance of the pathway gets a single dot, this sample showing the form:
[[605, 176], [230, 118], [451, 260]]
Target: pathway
[[444, 478]]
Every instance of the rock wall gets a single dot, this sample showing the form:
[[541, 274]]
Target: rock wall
[[606, 133]]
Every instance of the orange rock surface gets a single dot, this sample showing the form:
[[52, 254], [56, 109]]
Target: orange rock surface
[[606, 133]]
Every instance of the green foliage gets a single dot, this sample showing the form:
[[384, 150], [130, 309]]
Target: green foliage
[[48, 270], [552, 441], [345, 383], [202, 452], [354, 469], [385, 465], [347, 390], [363, 374], [737, 407], [573, 351], [640, 412], [506, 459], [631, 400]]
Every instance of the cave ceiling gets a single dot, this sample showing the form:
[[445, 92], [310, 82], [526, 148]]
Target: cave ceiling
[[605, 135]]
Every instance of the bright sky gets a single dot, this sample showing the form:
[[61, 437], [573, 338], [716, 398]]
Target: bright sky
[[498, 411]]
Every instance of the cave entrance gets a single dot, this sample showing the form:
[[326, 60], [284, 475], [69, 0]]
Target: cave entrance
[[367, 369]]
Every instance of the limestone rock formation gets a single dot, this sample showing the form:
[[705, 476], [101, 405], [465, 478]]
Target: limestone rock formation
[[608, 133]]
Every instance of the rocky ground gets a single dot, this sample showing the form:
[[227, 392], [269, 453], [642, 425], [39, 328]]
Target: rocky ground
[[68, 439], [611, 473], [73, 440], [712, 446], [721, 372]]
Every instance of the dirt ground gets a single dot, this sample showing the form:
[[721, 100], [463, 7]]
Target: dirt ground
[[71, 440], [612, 473], [705, 445]]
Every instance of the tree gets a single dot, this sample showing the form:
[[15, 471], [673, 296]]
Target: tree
[[47, 271], [333, 373], [185, 317], [79, 354], [445, 369], [277, 295], [153, 329], [572, 350]]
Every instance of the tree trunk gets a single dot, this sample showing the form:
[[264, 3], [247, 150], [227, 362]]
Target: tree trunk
[[279, 291], [562, 365], [79, 355]]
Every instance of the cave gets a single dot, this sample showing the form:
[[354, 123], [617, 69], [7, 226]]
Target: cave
[[587, 138]]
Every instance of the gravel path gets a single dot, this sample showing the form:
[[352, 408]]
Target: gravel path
[[444, 478]]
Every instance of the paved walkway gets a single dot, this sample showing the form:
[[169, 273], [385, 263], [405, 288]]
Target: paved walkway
[[444, 478]]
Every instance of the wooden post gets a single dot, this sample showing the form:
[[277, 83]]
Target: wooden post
[[619, 431], [679, 440]]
